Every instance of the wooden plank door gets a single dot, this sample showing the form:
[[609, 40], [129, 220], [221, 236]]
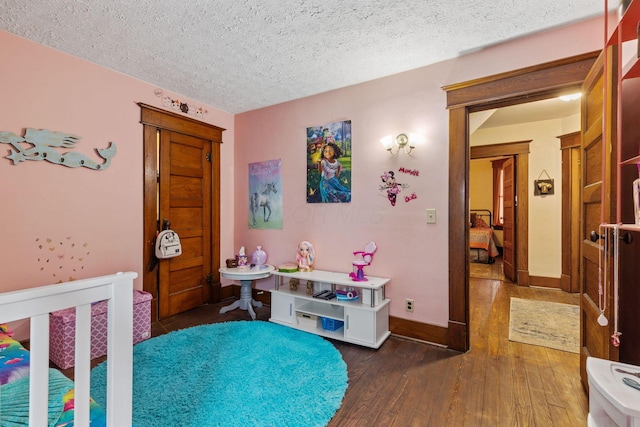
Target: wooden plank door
[[185, 200], [508, 255], [597, 206]]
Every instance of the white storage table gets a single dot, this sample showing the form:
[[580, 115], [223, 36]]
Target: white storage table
[[365, 320]]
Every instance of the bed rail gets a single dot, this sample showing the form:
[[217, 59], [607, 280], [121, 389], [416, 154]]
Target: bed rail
[[37, 303], [483, 213]]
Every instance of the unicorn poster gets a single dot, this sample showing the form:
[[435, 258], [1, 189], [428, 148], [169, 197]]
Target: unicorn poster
[[265, 194], [329, 163]]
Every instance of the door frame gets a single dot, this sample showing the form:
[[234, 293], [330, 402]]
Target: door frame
[[571, 157], [516, 87], [519, 150], [155, 118]]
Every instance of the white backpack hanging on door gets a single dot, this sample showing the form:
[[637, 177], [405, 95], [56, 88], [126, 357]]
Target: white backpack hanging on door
[[168, 244]]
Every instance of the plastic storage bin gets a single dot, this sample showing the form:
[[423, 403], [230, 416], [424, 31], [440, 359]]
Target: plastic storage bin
[[611, 401], [307, 320], [329, 324]]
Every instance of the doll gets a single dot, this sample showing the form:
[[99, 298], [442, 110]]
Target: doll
[[305, 256]]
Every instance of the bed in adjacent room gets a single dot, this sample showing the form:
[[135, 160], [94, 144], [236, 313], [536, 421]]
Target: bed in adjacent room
[[31, 393], [482, 245]]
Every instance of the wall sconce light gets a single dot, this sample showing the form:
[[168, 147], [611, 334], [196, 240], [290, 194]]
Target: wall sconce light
[[401, 142]]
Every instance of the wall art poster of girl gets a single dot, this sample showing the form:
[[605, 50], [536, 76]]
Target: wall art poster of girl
[[329, 163], [265, 195]]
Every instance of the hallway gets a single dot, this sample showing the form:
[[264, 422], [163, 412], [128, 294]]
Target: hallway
[[492, 271]]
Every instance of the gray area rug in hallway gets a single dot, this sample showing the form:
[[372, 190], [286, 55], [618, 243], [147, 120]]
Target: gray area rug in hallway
[[548, 324]]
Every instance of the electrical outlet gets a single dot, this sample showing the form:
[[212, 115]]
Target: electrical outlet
[[408, 304]]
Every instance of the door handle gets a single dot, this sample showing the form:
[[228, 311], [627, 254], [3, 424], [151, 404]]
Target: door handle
[[594, 237], [626, 237]]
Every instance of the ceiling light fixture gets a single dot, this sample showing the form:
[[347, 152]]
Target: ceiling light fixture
[[570, 97]]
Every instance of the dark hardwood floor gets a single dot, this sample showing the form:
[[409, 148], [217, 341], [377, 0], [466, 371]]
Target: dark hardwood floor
[[409, 383]]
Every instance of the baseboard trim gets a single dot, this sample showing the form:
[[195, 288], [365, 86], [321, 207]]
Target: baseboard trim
[[418, 331], [545, 282], [227, 292], [233, 291], [523, 278], [565, 283]]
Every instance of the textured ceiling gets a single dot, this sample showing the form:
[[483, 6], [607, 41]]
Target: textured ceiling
[[240, 55]]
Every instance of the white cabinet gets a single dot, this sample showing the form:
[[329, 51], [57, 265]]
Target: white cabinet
[[364, 321], [282, 308], [363, 325]]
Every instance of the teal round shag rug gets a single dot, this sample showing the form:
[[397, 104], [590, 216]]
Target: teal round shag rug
[[247, 373]]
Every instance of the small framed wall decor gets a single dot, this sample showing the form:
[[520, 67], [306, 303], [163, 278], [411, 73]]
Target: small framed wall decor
[[543, 187]]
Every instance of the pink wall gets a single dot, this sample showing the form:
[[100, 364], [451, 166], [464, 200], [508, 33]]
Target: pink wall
[[46, 89], [93, 219], [412, 253]]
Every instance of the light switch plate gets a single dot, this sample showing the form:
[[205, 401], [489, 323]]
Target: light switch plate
[[431, 216]]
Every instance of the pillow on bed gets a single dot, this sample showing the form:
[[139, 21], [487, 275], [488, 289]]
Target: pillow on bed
[[480, 223]]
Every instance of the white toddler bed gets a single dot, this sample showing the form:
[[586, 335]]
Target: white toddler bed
[[36, 304]]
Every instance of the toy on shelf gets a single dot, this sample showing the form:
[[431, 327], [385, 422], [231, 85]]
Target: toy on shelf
[[310, 286], [363, 259], [305, 256], [242, 258], [259, 256], [347, 294], [288, 267]]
